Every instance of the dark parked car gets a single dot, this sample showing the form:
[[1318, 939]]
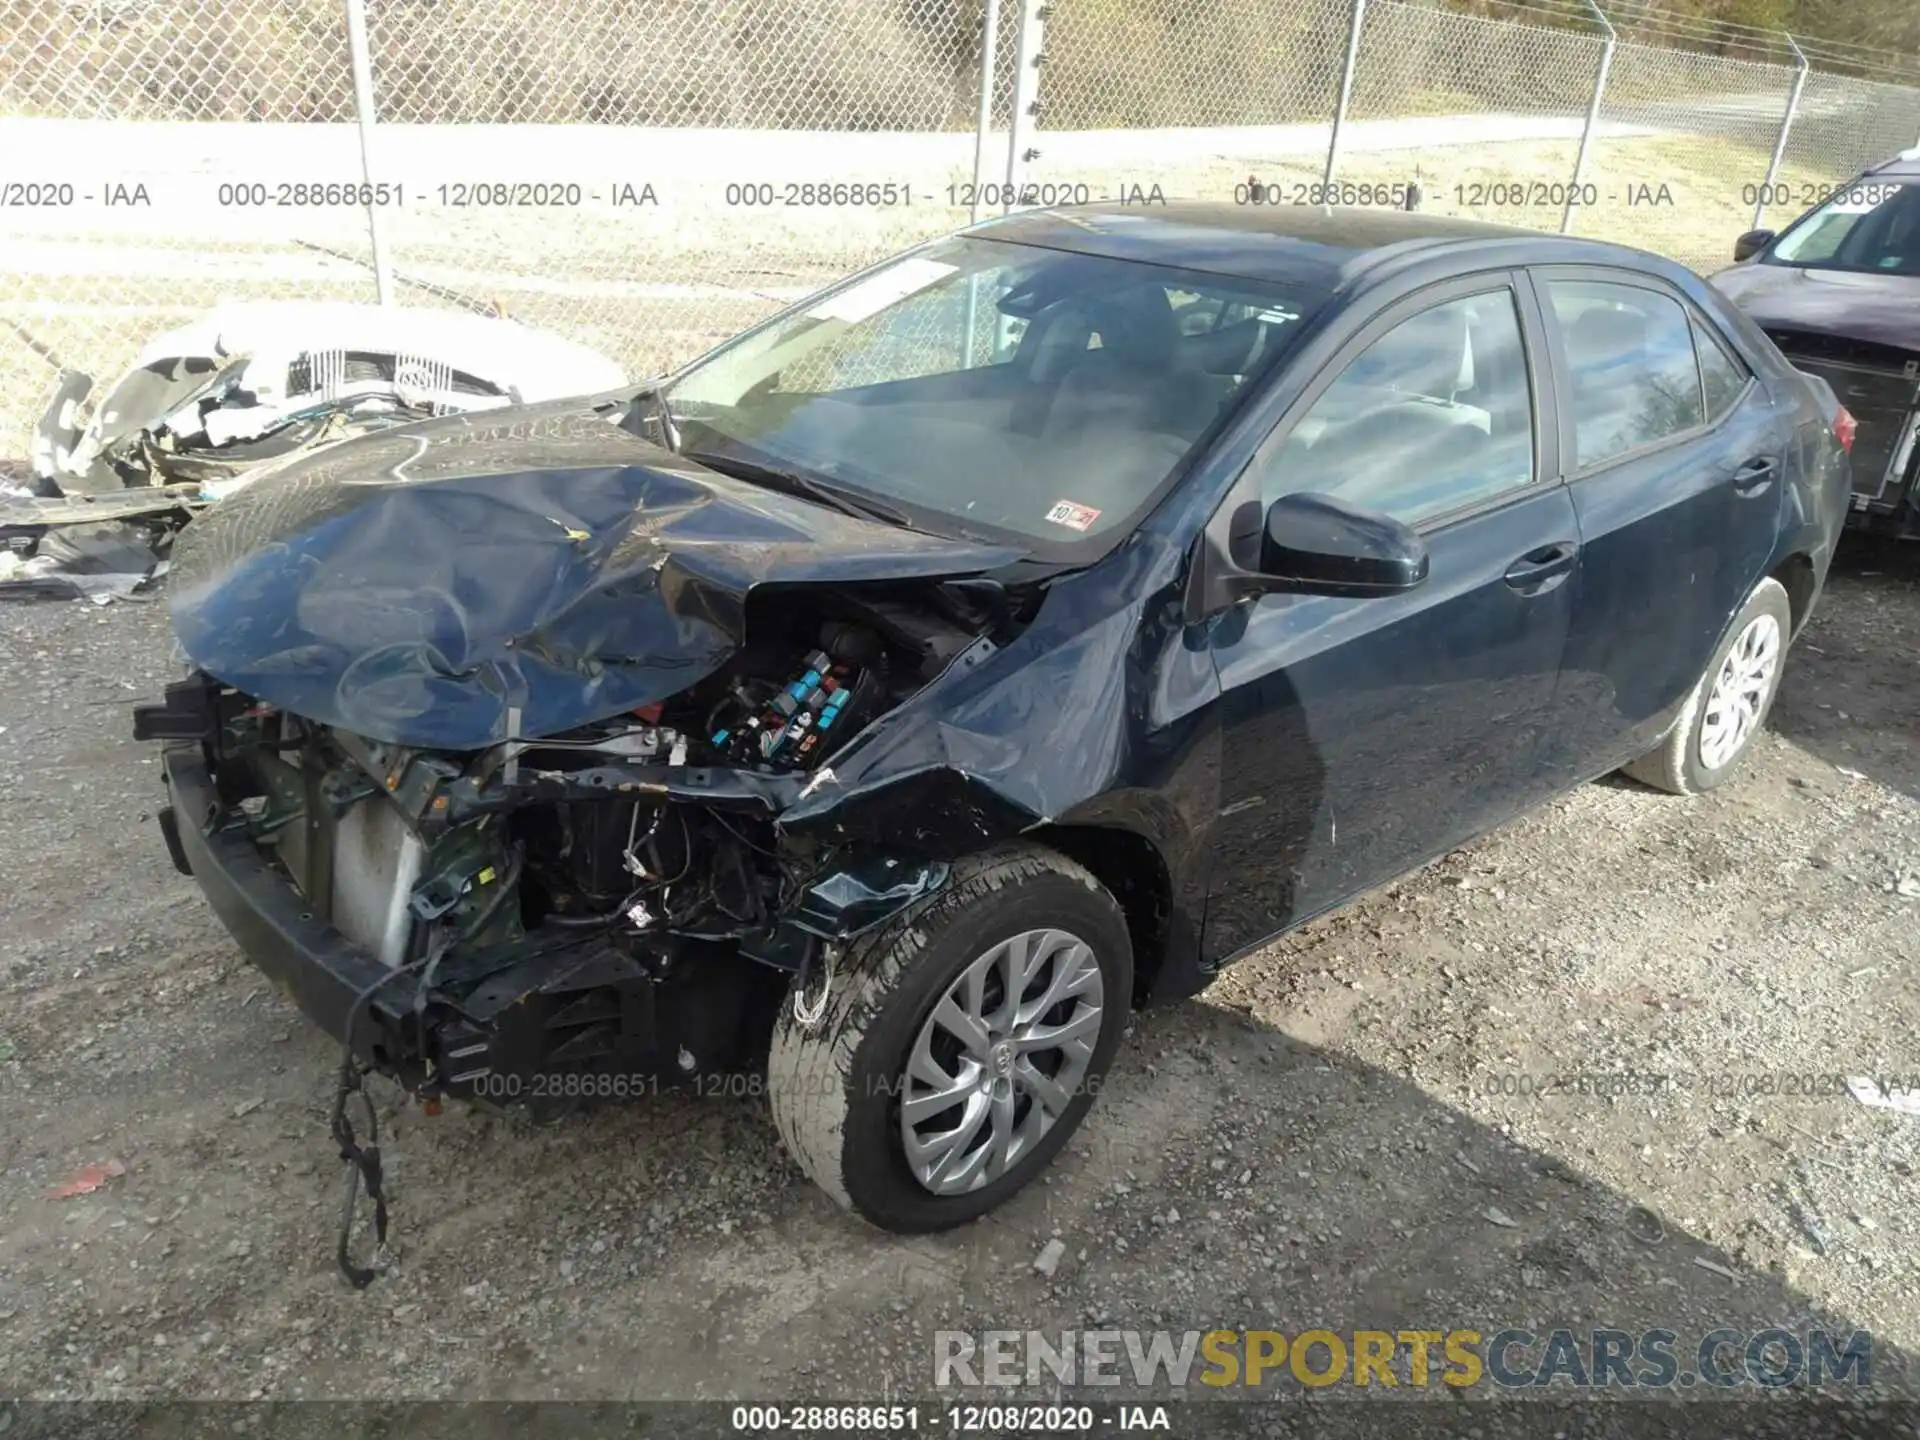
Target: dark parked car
[[1020, 629], [1839, 292]]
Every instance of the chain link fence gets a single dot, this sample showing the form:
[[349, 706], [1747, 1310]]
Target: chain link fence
[[1842, 125], [1703, 129], [649, 176], [1485, 115], [1139, 99], [104, 111], [689, 151]]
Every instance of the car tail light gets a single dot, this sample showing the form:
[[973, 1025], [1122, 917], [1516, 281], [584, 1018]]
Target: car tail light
[[1844, 426]]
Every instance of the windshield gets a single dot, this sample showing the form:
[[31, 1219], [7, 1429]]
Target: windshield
[[991, 389], [1872, 225]]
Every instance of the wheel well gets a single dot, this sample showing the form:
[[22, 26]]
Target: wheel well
[[1131, 869], [1795, 575]]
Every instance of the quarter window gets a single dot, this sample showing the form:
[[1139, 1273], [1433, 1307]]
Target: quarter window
[[1633, 372], [1434, 415], [1722, 377]]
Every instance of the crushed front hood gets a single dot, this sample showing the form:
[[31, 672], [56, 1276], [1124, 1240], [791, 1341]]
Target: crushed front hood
[[423, 585], [1851, 305]]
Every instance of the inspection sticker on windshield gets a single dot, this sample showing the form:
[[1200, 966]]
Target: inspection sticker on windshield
[[876, 292], [1074, 517]]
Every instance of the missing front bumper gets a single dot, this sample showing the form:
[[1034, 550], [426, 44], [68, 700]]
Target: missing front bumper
[[316, 966], [541, 1019]]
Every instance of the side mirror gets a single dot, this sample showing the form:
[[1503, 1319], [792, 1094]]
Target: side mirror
[[1318, 545], [1751, 244]]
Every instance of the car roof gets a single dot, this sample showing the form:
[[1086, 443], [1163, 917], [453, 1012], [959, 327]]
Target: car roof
[[1318, 247], [1906, 165]]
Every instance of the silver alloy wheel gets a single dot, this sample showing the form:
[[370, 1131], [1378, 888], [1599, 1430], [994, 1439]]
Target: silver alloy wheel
[[1740, 691], [1000, 1058]]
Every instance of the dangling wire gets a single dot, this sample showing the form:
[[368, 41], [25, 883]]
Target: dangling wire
[[362, 1158], [808, 1014]]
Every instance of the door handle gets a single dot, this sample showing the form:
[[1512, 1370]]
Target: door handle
[[1539, 570], [1756, 475]]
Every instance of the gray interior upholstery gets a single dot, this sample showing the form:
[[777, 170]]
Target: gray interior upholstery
[[1133, 377]]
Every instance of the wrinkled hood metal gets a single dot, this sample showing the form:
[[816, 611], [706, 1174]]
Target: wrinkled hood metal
[[1851, 305], [422, 584]]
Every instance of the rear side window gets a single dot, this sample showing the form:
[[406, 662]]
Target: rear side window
[[1721, 376], [1634, 376]]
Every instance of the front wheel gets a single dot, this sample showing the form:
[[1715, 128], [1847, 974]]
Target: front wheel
[[1729, 704], [957, 1047]]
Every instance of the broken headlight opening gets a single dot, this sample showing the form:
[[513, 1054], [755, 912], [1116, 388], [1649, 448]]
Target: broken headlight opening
[[554, 920]]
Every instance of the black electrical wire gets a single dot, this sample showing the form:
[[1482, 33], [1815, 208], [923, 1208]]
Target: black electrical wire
[[753, 845], [612, 917], [506, 885], [362, 1158]]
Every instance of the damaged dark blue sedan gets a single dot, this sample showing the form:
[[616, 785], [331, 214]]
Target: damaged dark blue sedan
[[1021, 629]]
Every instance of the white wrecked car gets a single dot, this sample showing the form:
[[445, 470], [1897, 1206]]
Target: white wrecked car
[[264, 380]]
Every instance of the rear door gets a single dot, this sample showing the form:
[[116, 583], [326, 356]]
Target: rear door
[[1363, 735], [1675, 457]]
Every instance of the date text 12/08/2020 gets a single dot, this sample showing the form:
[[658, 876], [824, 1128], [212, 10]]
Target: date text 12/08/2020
[[1473, 195], [1721, 1084]]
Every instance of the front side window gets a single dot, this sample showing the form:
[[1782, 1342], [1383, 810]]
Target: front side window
[[1631, 363], [1435, 415], [1872, 225], [995, 389]]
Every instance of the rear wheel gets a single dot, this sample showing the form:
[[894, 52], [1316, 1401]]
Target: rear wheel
[[1729, 704], [959, 1046]]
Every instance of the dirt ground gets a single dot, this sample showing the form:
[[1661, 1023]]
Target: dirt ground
[[1334, 1135]]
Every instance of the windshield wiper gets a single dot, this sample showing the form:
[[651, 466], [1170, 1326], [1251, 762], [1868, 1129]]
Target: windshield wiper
[[669, 432], [795, 482]]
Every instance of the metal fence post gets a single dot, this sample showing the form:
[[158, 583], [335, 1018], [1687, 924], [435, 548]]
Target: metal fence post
[[1346, 89], [363, 108], [983, 121], [1593, 118], [1786, 124], [1026, 97], [983, 126]]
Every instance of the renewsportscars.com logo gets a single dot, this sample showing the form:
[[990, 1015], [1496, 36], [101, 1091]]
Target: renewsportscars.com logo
[[1510, 1359]]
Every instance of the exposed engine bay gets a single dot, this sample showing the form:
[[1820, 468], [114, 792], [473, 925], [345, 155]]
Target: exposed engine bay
[[574, 905], [715, 871], [540, 764]]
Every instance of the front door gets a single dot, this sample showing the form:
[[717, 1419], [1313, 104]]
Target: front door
[[1362, 736]]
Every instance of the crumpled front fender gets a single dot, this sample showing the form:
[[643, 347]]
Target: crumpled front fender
[[1100, 713]]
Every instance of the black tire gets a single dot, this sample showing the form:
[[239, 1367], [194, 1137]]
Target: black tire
[[835, 1085], [1676, 765]]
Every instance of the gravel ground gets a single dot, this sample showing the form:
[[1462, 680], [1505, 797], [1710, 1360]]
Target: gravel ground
[[1344, 1131]]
